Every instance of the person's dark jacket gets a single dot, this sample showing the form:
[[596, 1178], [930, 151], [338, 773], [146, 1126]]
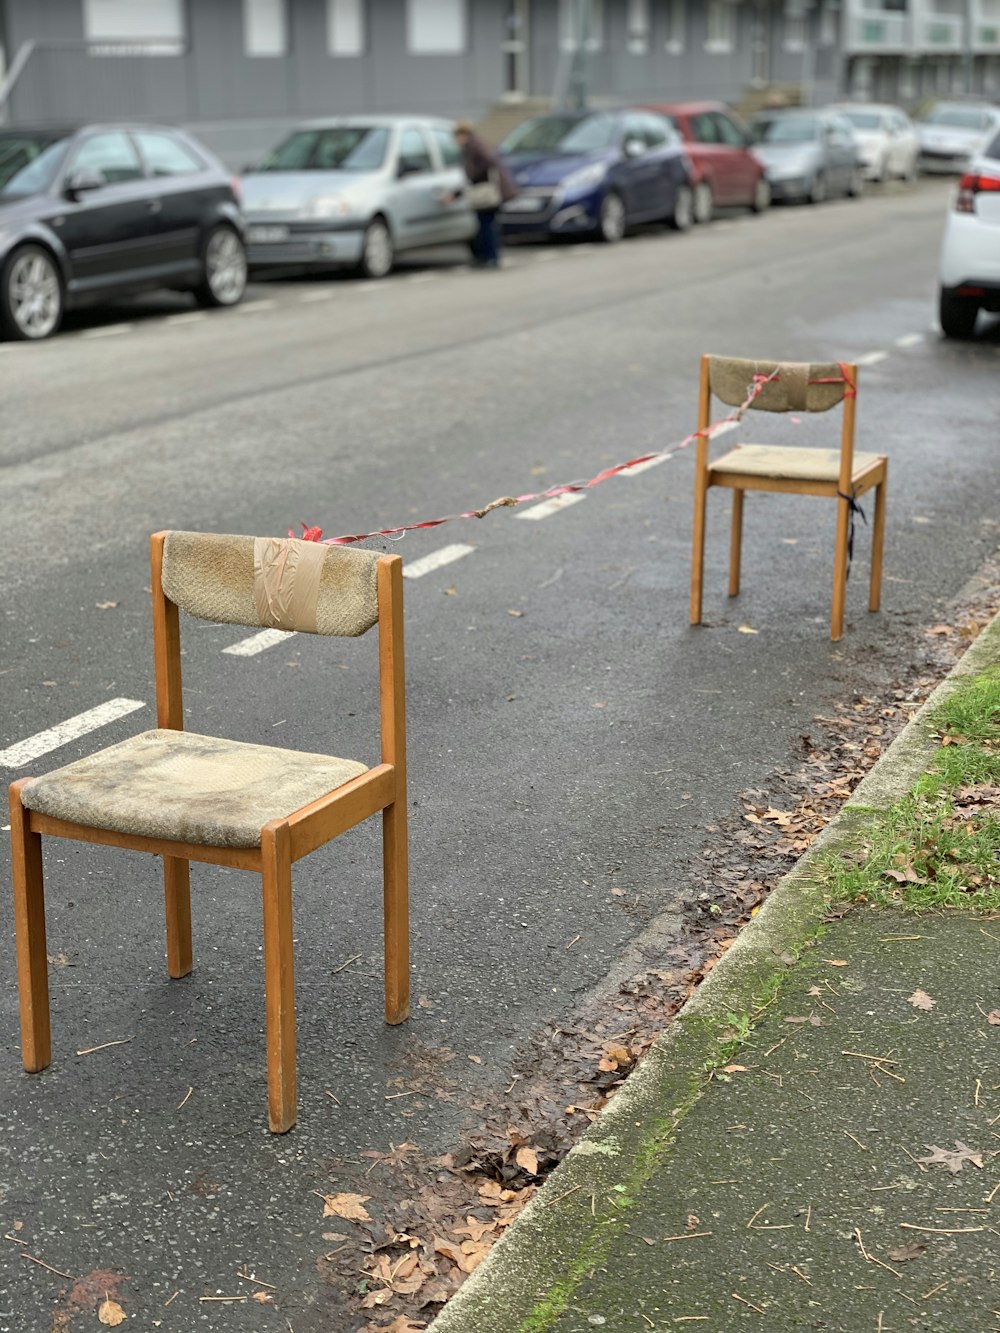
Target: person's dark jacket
[[482, 161]]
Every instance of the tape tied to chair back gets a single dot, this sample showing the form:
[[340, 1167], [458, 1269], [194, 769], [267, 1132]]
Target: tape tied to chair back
[[286, 582], [784, 386]]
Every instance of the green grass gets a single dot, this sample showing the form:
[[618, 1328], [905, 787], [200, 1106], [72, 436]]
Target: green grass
[[933, 850]]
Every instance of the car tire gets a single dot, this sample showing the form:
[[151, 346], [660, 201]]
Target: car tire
[[683, 213], [31, 295], [958, 315], [856, 185], [761, 196], [378, 253], [704, 203], [611, 218], [817, 190], [224, 269]]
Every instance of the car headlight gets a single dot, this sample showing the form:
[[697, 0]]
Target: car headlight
[[330, 206], [586, 176]]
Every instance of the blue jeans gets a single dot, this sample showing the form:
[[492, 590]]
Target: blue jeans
[[486, 243]]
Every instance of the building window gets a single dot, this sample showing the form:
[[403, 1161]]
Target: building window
[[637, 37], [795, 35], [265, 28], [435, 27], [676, 26], [581, 23], [345, 27], [720, 36], [134, 27]]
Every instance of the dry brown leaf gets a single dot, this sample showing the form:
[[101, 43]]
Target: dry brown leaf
[[692, 1222], [941, 629], [993, 1017], [734, 1069], [921, 1000], [902, 1254], [952, 1158], [814, 990], [512, 612], [527, 1160], [451, 592], [424, 1002], [263, 1298], [111, 1314], [347, 1206], [476, 1059], [837, 962], [335, 1235]]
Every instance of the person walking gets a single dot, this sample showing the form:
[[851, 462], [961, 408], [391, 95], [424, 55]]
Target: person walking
[[490, 186]]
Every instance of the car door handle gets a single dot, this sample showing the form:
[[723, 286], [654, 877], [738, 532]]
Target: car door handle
[[154, 205]]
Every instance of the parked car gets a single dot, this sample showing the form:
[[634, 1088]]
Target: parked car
[[888, 138], [94, 211], [355, 192], [809, 155], [970, 253], [596, 173], [725, 169], [952, 132]]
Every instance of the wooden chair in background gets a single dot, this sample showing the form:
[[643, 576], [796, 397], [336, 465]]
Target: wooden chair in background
[[253, 807], [836, 474]]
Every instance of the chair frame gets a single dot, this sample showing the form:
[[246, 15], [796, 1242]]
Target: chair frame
[[283, 842], [846, 485]]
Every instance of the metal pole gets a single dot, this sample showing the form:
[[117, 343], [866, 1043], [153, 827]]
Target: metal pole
[[968, 51]]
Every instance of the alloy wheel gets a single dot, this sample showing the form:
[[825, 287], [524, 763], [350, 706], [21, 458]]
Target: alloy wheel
[[704, 204], [378, 253], [34, 294], [612, 218], [226, 267]]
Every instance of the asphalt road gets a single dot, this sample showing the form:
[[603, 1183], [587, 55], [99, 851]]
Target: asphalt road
[[568, 732]]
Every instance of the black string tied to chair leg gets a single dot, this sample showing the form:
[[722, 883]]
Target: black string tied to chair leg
[[855, 509]]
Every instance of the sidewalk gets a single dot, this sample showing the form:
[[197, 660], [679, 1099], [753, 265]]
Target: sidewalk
[[815, 1142]]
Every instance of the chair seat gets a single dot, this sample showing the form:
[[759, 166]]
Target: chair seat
[[792, 464], [189, 788]]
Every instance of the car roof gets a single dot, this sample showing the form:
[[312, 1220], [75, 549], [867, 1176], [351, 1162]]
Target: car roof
[[65, 129], [841, 107], [687, 108], [377, 121]]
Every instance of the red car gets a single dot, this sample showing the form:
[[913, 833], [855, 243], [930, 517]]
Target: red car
[[726, 171]]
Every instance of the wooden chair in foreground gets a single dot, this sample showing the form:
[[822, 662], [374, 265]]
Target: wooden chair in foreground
[[253, 807], [840, 474]]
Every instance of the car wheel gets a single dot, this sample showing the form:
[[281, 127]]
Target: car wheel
[[611, 219], [31, 295], [683, 215], [704, 203], [856, 185], [817, 191], [224, 269], [761, 196], [377, 251], [958, 315]]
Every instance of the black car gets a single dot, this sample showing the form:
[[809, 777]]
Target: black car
[[106, 210]]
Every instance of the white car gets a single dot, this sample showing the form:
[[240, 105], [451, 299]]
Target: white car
[[970, 255], [888, 138], [952, 133]]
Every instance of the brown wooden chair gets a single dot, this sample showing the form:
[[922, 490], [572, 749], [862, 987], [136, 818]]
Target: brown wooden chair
[[254, 807], [837, 474]]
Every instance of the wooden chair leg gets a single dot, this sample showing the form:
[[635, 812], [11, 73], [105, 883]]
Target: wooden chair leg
[[698, 550], [279, 976], [395, 880], [878, 542], [736, 543], [840, 570], [29, 927], [177, 896]]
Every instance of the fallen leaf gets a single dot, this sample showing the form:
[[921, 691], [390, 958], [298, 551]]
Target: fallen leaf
[[105, 606], [451, 592], [527, 1160], [814, 990], [619, 893], [734, 1069], [941, 629], [335, 1235], [512, 612], [476, 1059], [263, 1298], [745, 629], [902, 1254], [952, 1158], [993, 1017], [425, 1003], [921, 1000], [347, 1206], [837, 962], [111, 1314]]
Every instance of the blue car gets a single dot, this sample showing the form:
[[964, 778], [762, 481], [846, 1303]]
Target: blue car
[[596, 173]]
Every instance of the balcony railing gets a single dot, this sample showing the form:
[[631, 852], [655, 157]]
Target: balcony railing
[[939, 32], [876, 31], [986, 26]]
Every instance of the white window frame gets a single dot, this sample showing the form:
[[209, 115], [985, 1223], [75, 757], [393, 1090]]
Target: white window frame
[[567, 25], [134, 27], [720, 30], [265, 29], [423, 21], [637, 27], [346, 27], [676, 27]]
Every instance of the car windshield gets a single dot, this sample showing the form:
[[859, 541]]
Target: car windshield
[[343, 148], [957, 117], [29, 162], [863, 120], [789, 129], [563, 134]]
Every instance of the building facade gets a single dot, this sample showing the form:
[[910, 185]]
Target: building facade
[[240, 71]]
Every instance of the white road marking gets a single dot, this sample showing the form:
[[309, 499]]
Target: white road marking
[[419, 277], [111, 331], [258, 643], [723, 428], [192, 317], [545, 256], [871, 358], [320, 294], [251, 307], [644, 467], [910, 340], [428, 563], [16, 756], [552, 506]]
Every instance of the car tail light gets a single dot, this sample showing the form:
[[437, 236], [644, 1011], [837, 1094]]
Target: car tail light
[[970, 185], [237, 185]]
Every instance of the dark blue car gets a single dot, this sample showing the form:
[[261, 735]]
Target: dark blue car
[[596, 173]]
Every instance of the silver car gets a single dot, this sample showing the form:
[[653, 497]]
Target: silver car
[[809, 156], [354, 192], [951, 133]]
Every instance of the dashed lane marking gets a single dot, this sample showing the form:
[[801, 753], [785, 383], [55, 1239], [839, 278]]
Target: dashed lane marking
[[910, 340], [552, 506], [871, 358], [110, 331], [435, 560], [251, 307], [16, 756], [644, 467], [259, 643], [192, 317], [321, 294]]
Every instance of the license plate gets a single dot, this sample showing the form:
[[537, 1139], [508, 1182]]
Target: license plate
[[267, 235], [524, 203]]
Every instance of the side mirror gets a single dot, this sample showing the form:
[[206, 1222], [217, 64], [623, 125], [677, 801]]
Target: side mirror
[[633, 148], [82, 182]]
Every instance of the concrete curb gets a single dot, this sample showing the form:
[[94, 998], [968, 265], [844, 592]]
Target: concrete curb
[[525, 1280]]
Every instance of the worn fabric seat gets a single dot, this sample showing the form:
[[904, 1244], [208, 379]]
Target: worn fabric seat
[[186, 787], [772, 460]]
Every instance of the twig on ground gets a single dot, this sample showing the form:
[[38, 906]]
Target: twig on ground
[[688, 1235], [89, 1050], [349, 961], [854, 1140], [184, 1099], [743, 1301], [42, 1264], [559, 1197], [942, 1231]]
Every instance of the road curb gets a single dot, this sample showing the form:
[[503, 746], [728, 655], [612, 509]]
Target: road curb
[[523, 1283]]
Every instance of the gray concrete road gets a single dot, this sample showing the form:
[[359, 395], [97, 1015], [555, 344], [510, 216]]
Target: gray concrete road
[[581, 744]]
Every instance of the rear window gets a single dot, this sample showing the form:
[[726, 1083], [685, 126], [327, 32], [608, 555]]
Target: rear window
[[993, 149], [958, 117], [343, 148]]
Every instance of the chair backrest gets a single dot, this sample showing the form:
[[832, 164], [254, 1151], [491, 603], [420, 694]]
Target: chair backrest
[[792, 386], [275, 583]]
